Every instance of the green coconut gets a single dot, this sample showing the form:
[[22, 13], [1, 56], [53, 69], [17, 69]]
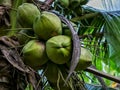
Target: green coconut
[[58, 49], [47, 25], [54, 73], [34, 54], [64, 3], [66, 30], [84, 61], [26, 14]]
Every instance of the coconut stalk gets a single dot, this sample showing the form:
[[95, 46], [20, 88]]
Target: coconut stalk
[[13, 16]]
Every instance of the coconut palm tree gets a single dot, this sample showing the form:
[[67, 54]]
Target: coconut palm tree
[[98, 25]]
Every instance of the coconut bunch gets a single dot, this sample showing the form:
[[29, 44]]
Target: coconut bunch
[[47, 44], [72, 3], [75, 6]]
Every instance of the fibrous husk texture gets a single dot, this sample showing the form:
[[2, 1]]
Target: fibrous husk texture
[[14, 75]]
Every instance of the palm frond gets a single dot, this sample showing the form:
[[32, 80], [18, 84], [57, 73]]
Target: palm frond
[[105, 48], [110, 12], [112, 34]]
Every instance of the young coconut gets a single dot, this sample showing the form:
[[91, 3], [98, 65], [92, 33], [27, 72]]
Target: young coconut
[[59, 49], [54, 73], [26, 14], [34, 54], [66, 30], [85, 60], [64, 3], [47, 25]]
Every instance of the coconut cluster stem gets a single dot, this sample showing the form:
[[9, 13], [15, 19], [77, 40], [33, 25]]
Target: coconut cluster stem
[[13, 16]]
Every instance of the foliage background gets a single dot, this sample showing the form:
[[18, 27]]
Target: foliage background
[[98, 25]]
